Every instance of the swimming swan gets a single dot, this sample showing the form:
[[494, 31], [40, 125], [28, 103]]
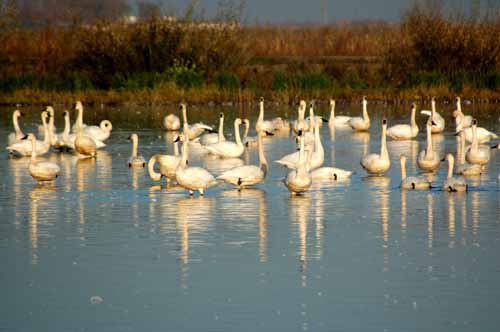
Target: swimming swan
[[262, 125], [101, 132], [462, 121], [79, 118], [135, 160], [428, 160], [358, 123], [172, 122], [248, 175], [412, 182], [195, 130], [437, 119], [299, 180], [403, 132], [168, 165], [378, 163], [300, 124], [24, 147], [476, 153], [228, 149], [85, 146], [67, 140], [339, 120], [464, 168], [455, 184], [212, 138], [42, 171], [18, 134], [192, 178]]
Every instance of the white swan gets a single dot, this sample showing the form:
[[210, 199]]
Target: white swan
[[195, 130], [300, 124], [262, 125], [50, 126], [403, 132], [172, 122], [42, 171], [280, 124], [339, 120], [378, 163], [483, 135], [312, 118], [464, 168], [67, 140], [428, 160], [192, 178], [168, 165], [412, 182], [18, 134], [24, 147], [212, 138], [248, 140], [135, 160], [361, 123], [316, 159], [79, 118], [476, 153], [228, 149], [248, 175], [455, 184], [299, 180], [85, 146], [462, 121], [101, 132], [437, 119], [330, 173]]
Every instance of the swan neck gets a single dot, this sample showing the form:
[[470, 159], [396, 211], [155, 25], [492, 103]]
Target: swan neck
[[365, 112], [184, 116], [403, 169], [185, 151], [413, 122], [151, 168], [383, 146], [261, 111], [16, 125], [247, 129], [429, 141], [33, 148], [262, 156], [450, 167], [332, 113], [301, 113], [66, 125], [221, 129], [79, 118], [46, 132], [317, 139], [176, 149], [135, 144], [475, 142], [237, 133]]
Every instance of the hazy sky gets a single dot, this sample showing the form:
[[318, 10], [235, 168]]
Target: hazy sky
[[278, 11]]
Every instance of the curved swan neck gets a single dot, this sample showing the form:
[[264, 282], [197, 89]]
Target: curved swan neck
[[15, 121], [451, 162], [413, 122], [237, 132], [151, 168], [221, 129], [262, 156], [383, 146], [403, 168], [46, 132], [247, 129]]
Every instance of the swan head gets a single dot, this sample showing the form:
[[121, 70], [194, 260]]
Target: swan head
[[237, 121], [457, 99], [402, 158], [332, 102], [413, 106], [182, 106], [474, 122], [449, 157], [17, 113], [106, 125], [302, 104], [246, 122], [384, 122], [78, 106], [261, 99], [221, 115], [30, 137], [179, 138], [45, 115], [133, 137], [364, 100], [50, 110]]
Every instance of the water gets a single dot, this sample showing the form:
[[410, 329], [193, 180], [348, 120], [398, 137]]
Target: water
[[107, 249]]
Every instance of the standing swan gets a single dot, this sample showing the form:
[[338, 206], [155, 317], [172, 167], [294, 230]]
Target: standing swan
[[79, 118], [361, 124], [42, 171], [67, 140], [339, 120], [168, 165], [248, 175], [212, 138], [85, 146], [192, 178], [412, 182], [477, 154], [17, 135], [464, 168], [403, 132], [378, 163], [428, 160], [462, 121], [195, 130], [228, 149], [135, 160], [24, 148], [51, 126], [300, 124], [261, 125], [437, 119], [452, 183], [299, 180], [172, 122]]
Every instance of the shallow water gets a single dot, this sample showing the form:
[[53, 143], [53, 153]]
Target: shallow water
[[107, 249]]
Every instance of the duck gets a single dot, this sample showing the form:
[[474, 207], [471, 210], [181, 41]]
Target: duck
[[192, 178], [361, 123], [404, 132], [18, 134], [172, 122], [23, 148], [452, 183], [428, 160], [378, 163], [437, 120], [168, 165], [135, 160], [42, 171], [228, 149], [300, 124], [462, 121], [195, 130], [79, 118], [51, 126], [464, 168], [211, 138], [248, 175], [299, 180], [339, 120], [412, 182], [85, 146], [101, 132], [262, 125], [476, 153]]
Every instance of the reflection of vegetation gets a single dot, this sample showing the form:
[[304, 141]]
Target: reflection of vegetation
[[169, 59]]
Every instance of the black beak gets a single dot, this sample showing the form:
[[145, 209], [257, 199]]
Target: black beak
[[457, 134], [177, 139], [433, 123], [444, 159], [21, 113], [324, 120], [495, 146], [299, 133], [130, 137], [25, 137], [269, 134]]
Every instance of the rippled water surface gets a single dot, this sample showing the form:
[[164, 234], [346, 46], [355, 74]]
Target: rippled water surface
[[107, 249]]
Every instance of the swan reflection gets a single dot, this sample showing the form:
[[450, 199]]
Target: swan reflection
[[299, 208]]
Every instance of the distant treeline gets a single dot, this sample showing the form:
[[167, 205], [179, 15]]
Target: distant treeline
[[429, 52]]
